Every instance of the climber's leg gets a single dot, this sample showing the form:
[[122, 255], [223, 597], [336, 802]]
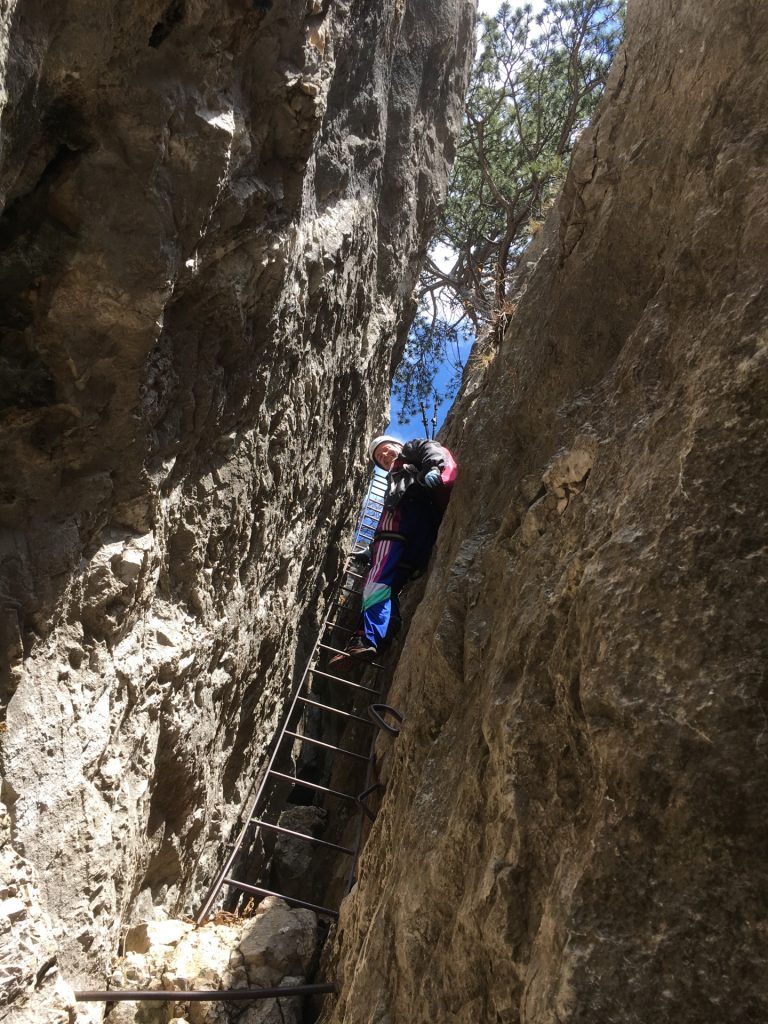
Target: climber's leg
[[383, 578]]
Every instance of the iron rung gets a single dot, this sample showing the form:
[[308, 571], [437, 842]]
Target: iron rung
[[319, 743], [301, 835], [313, 785], [335, 711], [258, 891], [336, 625], [340, 679], [336, 650]]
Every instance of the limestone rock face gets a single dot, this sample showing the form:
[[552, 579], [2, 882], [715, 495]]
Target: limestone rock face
[[574, 827], [213, 217], [274, 948], [29, 942]]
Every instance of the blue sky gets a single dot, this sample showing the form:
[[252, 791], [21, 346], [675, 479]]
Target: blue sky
[[413, 427]]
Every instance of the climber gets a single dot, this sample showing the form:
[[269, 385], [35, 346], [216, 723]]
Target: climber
[[420, 475]]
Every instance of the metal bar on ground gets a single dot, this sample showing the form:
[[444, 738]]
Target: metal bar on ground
[[301, 835], [340, 679], [328, 746], [119, 995], [336, 711], [258, 891], [314, 785]]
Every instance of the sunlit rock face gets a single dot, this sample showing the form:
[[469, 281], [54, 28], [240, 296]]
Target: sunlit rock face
[[213, 217], [574, 828]]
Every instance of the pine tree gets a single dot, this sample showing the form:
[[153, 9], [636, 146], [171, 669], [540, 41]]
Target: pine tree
[[533, 87]]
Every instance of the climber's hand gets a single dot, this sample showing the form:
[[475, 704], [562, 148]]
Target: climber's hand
[[432, 478]]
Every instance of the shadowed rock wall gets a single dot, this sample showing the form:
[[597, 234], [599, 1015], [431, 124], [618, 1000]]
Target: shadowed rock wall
[[575, 820], [212, 223]]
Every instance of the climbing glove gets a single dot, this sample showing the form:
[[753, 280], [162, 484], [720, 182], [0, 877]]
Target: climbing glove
[[432, 478]]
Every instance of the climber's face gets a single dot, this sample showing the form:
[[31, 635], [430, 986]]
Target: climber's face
[[384, 454]]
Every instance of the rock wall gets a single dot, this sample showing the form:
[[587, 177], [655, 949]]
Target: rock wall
[[574, 827], [213, 217]]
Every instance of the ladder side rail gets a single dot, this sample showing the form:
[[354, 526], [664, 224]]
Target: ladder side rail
[[218, 882]]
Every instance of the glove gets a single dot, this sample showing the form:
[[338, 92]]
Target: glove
[[432, 478]]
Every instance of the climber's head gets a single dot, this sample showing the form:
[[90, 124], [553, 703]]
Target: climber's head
[[384, 450]]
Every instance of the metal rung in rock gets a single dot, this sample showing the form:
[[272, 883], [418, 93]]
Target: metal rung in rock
[[336, 650], [313, 785], [328, 746], [362, 797], [337, 625], [340, 679], [257, 890], [376, 713], [335, 711], [301, 835]]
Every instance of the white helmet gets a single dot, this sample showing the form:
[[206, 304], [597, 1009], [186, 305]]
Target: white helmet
[[381, 439]]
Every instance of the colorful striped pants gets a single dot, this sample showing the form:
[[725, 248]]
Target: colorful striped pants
[[395, 558]]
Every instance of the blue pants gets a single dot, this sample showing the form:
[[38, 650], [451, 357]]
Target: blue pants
[[394, 561]]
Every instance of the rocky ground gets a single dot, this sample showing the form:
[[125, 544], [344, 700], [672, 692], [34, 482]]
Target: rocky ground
[[275, 947]]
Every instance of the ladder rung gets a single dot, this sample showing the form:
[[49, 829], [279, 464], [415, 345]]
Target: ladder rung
[[357, 575], [313, 785], [347, 682], [335, 711], [328, 746], [337, 650], [258, 891], [301, 835], [336, 625]]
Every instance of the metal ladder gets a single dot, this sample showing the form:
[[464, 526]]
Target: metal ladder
[[302, 699], [254, 816]]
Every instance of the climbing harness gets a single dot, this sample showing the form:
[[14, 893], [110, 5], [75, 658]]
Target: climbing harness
[[389, 535], [254, 819]]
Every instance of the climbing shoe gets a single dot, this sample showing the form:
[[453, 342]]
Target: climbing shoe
[[357, 649]]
